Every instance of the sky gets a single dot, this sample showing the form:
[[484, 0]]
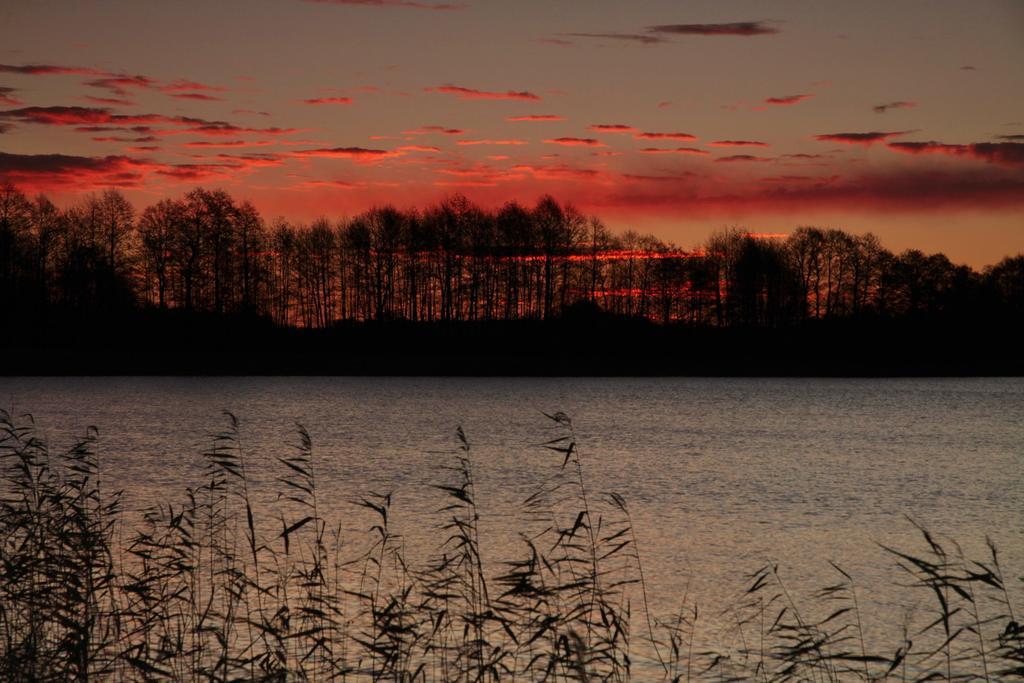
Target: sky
[[675, 117]]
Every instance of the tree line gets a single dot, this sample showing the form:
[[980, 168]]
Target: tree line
[[455, 261]]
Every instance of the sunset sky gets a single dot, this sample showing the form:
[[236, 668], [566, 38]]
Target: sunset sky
[[676, 117]]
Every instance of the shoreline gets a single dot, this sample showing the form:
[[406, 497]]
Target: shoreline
[[601, 348]]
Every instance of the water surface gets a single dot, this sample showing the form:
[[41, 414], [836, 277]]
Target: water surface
[[721, 475]]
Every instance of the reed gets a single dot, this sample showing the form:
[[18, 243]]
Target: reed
[[214, 589]]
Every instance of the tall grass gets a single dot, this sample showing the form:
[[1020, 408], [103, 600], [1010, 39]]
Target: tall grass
[[213, 589]]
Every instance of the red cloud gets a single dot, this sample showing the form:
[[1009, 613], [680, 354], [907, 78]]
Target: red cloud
[[107, 100], [491, 142], [117, 138], [119, 83], [478, 176], [677, 150], [882, 108], [474, 94], [329, 100], [657, 178], [252, 160], [180, 84], [1008, 153], [357, 153], [611, 128], [665, 136], [6, 98], [48, 69], [465, 183], [740, 28], [229, 143], [196, 172], [196, 96], [427, 130], [787, 100], [338, 184], [631, 37], [742, 157], [82, 116], [41, 172], [799, 179], [418, 148], [912, 190], [413, 4], [558, 172], [738, 143], [218, 128], [63, 116], [859, 138], [575, 142], [536, 117]]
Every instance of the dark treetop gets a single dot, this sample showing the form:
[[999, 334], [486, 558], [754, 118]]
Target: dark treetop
[[203, 284]]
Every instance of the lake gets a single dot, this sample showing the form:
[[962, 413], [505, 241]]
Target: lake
[[720, 475]]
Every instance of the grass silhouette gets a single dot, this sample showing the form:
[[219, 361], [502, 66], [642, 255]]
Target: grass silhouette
[[214, 589]]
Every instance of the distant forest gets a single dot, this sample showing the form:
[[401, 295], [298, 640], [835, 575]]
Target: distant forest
[[207, 253]]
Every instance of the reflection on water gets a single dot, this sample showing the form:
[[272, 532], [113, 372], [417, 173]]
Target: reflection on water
[[720, 474]]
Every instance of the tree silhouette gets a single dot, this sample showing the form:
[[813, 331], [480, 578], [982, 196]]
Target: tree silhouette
[[206, 253]]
